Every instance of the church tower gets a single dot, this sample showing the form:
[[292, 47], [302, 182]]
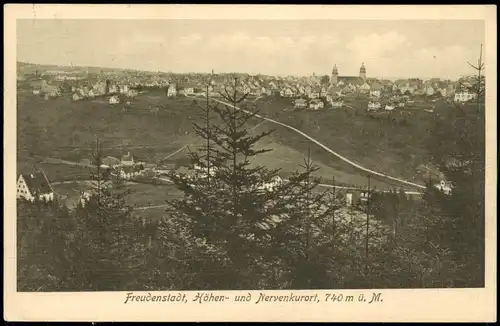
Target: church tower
[[335, 76], [362, 72]]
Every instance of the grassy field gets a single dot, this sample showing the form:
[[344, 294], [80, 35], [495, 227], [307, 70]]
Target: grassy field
[[66, 129]]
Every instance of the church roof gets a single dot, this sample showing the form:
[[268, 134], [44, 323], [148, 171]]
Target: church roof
[[354, 80]]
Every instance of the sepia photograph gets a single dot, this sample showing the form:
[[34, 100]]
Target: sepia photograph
[[250, 155]]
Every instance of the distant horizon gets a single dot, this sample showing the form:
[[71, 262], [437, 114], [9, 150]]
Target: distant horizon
[[234, 72], [388, 48]]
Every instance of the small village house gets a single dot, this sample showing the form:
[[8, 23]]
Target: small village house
[[124, 89], [287, 92], [373, 105], [364, 88], [444, 186], [114, 100], [271, 185], [464, 96], [316, 104], [315, 92], [337, 102], [34, 185], [127, 160], [429, 90], [375, 89], [132, 93], [188, 89], [300, 103], [111, 161], [113, 89], [172, 90]]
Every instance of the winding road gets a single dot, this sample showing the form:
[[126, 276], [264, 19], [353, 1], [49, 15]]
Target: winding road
[[408, 183]]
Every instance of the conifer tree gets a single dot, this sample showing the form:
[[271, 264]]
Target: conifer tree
[[109, 248], [230, 217]]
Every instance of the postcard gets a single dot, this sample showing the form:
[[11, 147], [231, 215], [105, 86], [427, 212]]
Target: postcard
[[250, 163]]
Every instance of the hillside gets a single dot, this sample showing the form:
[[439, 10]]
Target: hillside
[[395, 147]]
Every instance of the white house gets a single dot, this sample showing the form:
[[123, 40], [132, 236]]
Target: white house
[[76, 97], [444, 187], [389, 107], [188, 90], [271, 185], [113, 89], [287, 92], [373, 105], [316, 104], [464, 96], [127, 159], [375, 90], [124, 89], [300, 103], [36, 184], [365, 88], [348, 199], [315, 93], [132, 93], [114, 100], [429, 90], [337, 102], [36, 92], [203, 170], [85, 197]]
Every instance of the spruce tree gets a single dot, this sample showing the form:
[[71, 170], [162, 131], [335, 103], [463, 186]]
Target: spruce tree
[[109, 247], [231, 212]]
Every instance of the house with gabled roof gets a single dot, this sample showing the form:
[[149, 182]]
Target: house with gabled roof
[[188, 89], [287, 92], [316, 104], [315, 92], [34, 186], [337, 102], [127, 159], [300, 103], [375, 89]]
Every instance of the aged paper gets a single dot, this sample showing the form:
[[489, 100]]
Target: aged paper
[[134, 73]]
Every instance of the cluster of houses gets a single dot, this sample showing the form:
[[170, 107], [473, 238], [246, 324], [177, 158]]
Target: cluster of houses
[[330, 89], [92, 90], [44, 88]]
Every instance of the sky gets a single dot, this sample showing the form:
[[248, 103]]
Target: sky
[[388, 48]]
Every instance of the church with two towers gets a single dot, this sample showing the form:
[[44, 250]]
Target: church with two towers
[[336, 80]]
